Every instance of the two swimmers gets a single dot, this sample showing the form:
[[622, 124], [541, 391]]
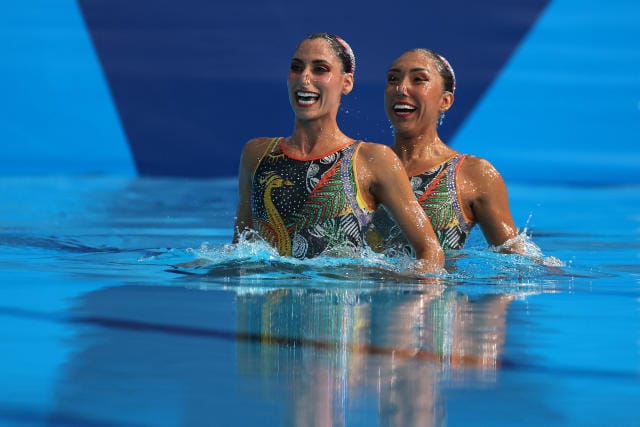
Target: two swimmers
[[316, 191]]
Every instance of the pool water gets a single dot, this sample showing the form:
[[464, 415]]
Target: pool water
[[100, 329]]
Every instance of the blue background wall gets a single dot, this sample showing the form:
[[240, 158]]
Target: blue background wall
[[549, 91]]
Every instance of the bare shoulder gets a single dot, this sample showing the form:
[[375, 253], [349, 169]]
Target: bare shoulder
[[474, 163], [256, 144], [374, 147], [376, 153], [254, 149], [479, 171], [381, 174]]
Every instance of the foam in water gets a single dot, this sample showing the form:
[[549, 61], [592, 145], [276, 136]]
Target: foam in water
[[523, 244], [256, 259]]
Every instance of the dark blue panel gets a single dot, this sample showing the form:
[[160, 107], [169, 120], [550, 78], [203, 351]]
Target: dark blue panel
[[194, 79]]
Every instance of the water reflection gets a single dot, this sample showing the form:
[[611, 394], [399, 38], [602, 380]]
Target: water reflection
[[386, 352], [181, 355]]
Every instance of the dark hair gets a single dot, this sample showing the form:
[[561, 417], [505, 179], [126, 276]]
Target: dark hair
[[341, 48], [444, 68]]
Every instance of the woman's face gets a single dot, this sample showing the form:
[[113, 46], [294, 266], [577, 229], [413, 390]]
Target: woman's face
[[316, 80], [414, 96]]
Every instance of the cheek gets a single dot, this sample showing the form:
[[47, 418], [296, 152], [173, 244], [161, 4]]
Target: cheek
[[389, 97], [426, 89], [291, 80], [289, 86], [388, 94]]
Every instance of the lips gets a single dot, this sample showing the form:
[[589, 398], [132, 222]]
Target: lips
[[306, 99], [403, 109]]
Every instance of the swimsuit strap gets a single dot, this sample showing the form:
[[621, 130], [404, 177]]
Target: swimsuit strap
[[271, 146], [349, 181]]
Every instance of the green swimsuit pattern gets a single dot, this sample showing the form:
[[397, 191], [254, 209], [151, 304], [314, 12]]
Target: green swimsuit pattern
[[305, 208], [437, 193]]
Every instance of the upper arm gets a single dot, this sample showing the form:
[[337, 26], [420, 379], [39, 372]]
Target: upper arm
[[388, 184], [485, 194], [251, 155]]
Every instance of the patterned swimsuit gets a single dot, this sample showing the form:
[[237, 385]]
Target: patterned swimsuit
[[305, 208], [437, 192]]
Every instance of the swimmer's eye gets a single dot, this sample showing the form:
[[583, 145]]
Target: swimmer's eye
[[321, 69], [391, 78], [296, 67]]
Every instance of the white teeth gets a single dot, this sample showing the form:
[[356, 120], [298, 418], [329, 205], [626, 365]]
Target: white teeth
[[403, 107], [307, 95], [307, 98]]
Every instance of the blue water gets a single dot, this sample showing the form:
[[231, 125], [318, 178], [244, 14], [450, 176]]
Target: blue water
[[99, 329]]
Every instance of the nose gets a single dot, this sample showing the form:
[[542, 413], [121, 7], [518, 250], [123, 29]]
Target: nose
[[401, 90], [306, 79]]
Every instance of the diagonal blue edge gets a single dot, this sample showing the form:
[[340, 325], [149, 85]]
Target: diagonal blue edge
[[56, 111], [193, 80], [566, 107]]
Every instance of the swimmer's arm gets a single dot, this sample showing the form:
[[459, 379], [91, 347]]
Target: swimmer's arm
[[486, 194], [251, 154], [390, 186], [243, 211]]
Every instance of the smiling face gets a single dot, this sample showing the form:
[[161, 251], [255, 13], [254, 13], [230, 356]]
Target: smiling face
[[316, 80], [414, 95]]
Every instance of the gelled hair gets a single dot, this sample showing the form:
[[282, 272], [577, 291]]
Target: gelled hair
[[444, 68], [341, 48]]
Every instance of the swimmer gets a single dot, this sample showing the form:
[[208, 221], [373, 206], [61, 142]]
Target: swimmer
[[455, 190], [314, 192]]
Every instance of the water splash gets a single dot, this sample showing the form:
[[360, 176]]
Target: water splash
[[258, 259], [524, 245], [257, 262]]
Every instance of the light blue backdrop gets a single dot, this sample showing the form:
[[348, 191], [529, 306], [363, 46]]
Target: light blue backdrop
[[567, 106], [56, 112]]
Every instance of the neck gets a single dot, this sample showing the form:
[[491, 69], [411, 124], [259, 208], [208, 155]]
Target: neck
[[315, 137], [419, 153], [409, 146]]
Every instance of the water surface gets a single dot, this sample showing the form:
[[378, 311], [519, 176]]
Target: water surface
[[99, 329]]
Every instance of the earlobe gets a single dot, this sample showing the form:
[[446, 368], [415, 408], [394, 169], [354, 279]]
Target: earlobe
[[446, 102], [347, 84]]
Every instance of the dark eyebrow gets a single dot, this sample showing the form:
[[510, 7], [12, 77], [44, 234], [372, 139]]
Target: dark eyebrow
[[314, 61], [413, 70]]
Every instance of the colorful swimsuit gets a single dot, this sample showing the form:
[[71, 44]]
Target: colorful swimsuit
[[305, 208], [437, 192]]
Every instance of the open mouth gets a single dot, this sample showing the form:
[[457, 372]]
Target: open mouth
[[306, 98], [403, 109]]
